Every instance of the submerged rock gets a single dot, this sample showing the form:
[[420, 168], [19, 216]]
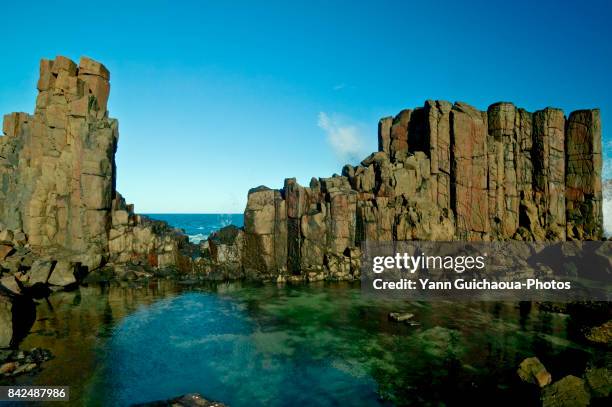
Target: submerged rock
[[188, 400], [531, 370], [400, 316], [599, 381], [17, 362], [601, 334], [567, 392]]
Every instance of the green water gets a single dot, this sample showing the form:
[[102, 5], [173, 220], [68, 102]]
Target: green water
[[249, 345]]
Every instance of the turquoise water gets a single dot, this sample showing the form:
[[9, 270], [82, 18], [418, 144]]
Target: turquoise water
[[208, 343], [199, 226], [309, 345], [315, 345]]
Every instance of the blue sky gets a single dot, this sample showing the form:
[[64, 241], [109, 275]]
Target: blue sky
[[215, 99]]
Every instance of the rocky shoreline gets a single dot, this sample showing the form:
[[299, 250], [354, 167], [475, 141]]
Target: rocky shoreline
[[443, 172]]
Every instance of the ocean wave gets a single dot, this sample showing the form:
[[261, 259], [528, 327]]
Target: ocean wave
[[197, 238]]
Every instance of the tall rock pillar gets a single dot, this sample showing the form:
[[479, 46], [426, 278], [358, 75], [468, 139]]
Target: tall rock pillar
[[549, 170], [58, 169], [583, 175]]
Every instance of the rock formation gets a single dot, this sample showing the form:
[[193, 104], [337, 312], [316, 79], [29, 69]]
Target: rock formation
[[443, 172], [57, 172]]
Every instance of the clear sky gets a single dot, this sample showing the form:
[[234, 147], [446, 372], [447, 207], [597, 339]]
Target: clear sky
[[215, 99]]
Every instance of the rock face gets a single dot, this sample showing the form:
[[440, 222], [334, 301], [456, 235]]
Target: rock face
[[443, 172], [58, 166], [57, 173]]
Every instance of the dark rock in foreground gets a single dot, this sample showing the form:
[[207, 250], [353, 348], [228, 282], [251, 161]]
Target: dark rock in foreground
[[188, 400], [18, 362]]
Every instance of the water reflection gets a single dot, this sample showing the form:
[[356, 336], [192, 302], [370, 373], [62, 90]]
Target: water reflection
[[17, 315], [313, 345]]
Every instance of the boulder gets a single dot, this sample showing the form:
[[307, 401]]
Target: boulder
[[226, 245], [601, 334], [567, 392], [531, 370], [9, 284], [599, 381], [63, 274], [400, 316], [6, 250], [39, 273]]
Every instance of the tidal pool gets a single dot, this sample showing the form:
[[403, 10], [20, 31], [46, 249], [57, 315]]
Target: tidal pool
[[268, 345]]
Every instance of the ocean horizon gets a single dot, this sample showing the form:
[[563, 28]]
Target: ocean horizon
[[198, 226]]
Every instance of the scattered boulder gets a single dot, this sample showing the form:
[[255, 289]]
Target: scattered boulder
[[18, 362], [400, 316], [531, 370], [567, 392]]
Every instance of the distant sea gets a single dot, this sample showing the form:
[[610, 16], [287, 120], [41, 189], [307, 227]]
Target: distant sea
[[199, 226]]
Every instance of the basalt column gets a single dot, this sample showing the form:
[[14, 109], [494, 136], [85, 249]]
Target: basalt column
[[58, 164], [583, 175], [549, 170], [469, 186], [439, 150]]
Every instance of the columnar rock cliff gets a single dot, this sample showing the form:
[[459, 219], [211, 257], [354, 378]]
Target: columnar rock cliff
[[58, 168], [443, 172], [57, 173]]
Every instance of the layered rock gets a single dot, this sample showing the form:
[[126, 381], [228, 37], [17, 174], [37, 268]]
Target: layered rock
[[443, 172], [58, 176]]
